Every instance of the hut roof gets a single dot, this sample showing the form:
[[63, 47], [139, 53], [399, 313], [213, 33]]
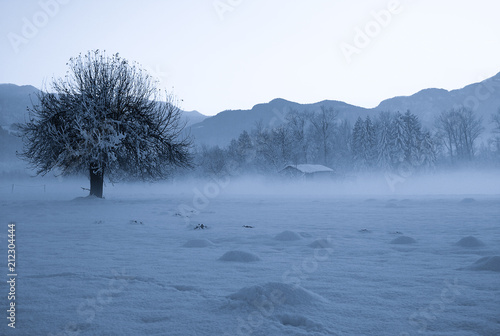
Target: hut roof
[[309, 168]]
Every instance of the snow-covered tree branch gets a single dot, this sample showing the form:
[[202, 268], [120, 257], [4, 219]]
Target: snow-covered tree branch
[[106, 116]]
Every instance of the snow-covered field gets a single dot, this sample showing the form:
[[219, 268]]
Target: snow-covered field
[[266, 264]]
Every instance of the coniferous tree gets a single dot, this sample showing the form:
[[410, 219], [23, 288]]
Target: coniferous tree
[[427, 152], [413, 139], [357, 142], [398, 140], [384, 141], [369, 143]]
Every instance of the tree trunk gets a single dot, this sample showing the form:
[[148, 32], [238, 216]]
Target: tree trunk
[[96, 183]]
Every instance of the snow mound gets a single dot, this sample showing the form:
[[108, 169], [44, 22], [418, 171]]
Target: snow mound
[[403, 240], [468, 200], [491, 263], [277, 293], [299, 321], [239, 256], [288, 236], [198, 243], [469, 241], [321, 243]]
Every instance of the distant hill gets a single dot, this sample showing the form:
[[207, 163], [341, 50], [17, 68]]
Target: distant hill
[[483, 97], [227, 125], [193, 117], [15, 99]]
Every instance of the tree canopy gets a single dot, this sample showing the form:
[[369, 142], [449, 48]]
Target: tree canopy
[[106, 116]]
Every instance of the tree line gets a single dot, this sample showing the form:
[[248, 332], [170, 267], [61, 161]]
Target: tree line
[[388, 142], [106, 117]]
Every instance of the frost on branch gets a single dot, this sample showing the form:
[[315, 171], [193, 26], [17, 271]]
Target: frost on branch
[[105, 117]]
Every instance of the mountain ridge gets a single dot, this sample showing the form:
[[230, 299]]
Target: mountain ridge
[[220, 129], [483, 97], [15, 99]]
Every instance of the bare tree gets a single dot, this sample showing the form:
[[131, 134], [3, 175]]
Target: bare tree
[[213, 161], [459, 128], [342, 147], [282, 142], [495, 118], [297, 123], [105, 117], [273, 147], [323, 127]]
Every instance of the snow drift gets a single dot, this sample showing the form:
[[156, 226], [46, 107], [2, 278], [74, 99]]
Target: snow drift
[[491, 263], [469, 241], [278, 293], [239, 256]]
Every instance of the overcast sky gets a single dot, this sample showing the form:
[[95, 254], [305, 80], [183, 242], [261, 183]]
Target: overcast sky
[[233, 54]]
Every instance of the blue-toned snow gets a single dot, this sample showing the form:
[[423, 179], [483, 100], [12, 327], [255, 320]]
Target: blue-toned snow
[[132, 264]]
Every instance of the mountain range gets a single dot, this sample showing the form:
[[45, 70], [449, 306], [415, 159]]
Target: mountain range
[[15, 99], [482, 97]]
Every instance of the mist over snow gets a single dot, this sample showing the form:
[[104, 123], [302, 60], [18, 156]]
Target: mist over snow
[[255, 256], [250, 168], [389, 237], [452, 183]]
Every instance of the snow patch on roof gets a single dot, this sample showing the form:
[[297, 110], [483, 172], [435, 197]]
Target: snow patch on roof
[[310, 168]]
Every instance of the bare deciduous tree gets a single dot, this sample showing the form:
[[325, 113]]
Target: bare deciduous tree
[[297, 123], [459, 128], [495, 141], [323, 127], [105, 117], [213, 161]]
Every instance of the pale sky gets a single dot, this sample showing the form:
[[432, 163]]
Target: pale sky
[[233, 54]]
